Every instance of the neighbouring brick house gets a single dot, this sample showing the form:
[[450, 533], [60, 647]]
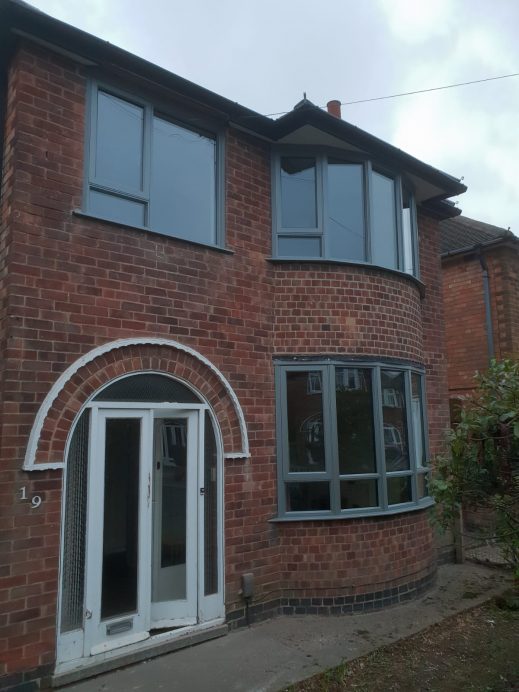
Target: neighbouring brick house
[[480, 269], [222, 355]]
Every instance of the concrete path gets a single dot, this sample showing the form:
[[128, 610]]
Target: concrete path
[[268, 656]]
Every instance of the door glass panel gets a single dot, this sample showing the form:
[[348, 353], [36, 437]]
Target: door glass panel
[[210, 510], [121, 517], [171, 506]]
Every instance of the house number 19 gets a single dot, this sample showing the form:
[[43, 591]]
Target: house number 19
[[35, 499]]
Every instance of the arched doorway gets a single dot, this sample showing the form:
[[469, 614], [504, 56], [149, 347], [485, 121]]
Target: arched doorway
[[142, 537]]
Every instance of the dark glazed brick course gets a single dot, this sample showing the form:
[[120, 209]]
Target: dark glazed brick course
[[339, 605]]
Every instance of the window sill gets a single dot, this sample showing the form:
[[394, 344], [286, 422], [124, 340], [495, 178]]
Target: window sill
[[358, 514], [315, 260], [207, 246]]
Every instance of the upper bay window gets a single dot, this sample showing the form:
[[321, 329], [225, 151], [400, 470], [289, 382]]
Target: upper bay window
[[151, 171], [336, 209], [351, 439]]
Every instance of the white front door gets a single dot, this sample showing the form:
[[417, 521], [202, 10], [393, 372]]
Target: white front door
[[143, 530]]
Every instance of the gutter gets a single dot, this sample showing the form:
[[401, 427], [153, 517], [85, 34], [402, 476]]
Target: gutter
[[507, 235]]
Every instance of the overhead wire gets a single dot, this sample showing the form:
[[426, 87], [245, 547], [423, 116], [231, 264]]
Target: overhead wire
[[411, 93]]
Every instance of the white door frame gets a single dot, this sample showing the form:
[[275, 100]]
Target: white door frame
[[96, 630], [71, 648]]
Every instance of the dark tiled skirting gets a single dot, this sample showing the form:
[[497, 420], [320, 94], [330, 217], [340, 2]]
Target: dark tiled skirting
[[332, 605]]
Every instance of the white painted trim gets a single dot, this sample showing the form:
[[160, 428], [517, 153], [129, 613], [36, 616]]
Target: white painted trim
[[30, 464]]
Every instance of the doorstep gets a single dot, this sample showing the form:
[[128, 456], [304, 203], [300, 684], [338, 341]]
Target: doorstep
[[156, 645]]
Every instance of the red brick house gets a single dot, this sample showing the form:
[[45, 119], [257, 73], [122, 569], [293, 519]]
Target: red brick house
[[480, 269], [222, 368]]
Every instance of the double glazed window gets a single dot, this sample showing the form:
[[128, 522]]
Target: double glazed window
[[332, 208], [150, 171], [352, 439]]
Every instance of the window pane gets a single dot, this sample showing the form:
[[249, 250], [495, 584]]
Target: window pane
[[394, 416], [117, 208], [118, 154], [408, 232], [357, 494], [298, 193], [355, 430], [418, 420], [383, 221], [299, 246], [183, 183], [398, 490], [422, 480], [305, 422], [308, 497], [345, 211]]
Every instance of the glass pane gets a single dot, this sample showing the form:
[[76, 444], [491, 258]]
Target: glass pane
[[305, 421], [210, 510], [395, 425], [398, 489], [357, 494], [117, 208], [74, 532], [148, 387], [170, 579], [422, 480], [118, 154], [121, 517], [383, 221], [345, 211], [418, 420], [298, 192], [355, 430], [408, 232], [308, 497], [183, 183], [299, 246]]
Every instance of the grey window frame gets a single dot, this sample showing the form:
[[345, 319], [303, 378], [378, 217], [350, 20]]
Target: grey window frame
[[331, 474], [321, 156], [178, 117]]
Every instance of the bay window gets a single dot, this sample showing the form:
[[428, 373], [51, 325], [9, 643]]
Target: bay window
[[332, 208], [351, 439]]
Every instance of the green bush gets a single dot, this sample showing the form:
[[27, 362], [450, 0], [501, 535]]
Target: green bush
[[481, 468]]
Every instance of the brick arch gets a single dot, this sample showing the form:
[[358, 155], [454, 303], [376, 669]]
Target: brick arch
[[82, 379]]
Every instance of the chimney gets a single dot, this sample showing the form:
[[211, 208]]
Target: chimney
[[334, 108]]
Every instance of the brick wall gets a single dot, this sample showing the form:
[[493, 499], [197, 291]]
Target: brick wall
[[465, 325], [75, 283]]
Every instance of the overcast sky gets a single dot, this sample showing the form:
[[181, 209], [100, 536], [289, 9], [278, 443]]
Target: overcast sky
[[266, 53]]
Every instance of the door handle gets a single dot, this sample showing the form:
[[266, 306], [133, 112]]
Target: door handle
[[149, 489]]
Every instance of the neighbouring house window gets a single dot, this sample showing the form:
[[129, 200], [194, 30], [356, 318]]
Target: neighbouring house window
[[153, 172], [351, 439], [333, 208]]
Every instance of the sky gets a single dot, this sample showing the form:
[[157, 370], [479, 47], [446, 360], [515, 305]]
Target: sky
[[265, 53]]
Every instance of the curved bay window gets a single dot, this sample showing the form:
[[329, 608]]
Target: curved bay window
[[351, 439], [334, 208]]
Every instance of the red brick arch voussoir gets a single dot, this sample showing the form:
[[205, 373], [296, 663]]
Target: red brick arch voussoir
[[182, 364]]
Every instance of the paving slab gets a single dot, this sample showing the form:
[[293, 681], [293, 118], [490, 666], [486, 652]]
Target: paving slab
[[270, 655]]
